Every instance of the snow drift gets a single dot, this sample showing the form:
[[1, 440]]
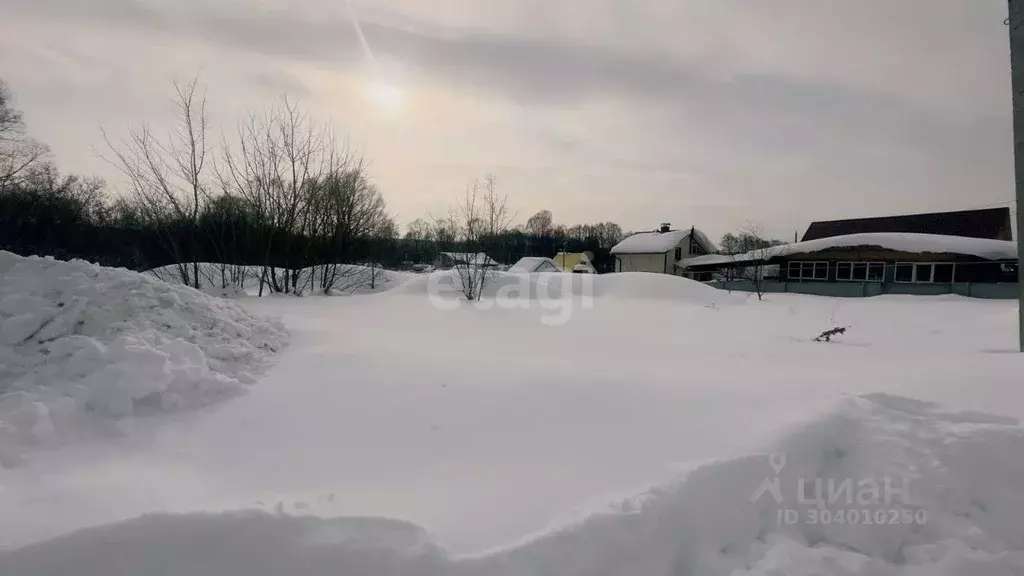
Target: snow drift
[[82, 346], [959, 477], [558, 285]]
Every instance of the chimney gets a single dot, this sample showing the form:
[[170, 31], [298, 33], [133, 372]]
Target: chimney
[[665, 227]]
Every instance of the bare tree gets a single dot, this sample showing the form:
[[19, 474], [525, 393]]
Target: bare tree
[[345, 210], [419, 234], [483, 214], [278, 166], [540, 224], [418, 230], [495, 216], [470, 267], [445, 230], [168, 179], [19, 153], [226, 223], [750, 252]]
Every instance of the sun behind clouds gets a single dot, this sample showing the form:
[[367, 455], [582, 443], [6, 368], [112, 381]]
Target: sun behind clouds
[[384, 95]]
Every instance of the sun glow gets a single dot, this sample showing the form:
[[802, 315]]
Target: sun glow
[[384, 95]]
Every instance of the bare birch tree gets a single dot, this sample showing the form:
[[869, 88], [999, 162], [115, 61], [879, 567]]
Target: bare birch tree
[[277, 163], [168, 179], [482, 215], [755, 251]]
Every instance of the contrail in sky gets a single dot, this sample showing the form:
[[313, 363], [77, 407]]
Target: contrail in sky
[[359, 32], [381, 93]]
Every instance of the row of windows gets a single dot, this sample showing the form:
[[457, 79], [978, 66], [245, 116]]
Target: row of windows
[[808, 270], [860, 271], [939, 273], [905, 272]]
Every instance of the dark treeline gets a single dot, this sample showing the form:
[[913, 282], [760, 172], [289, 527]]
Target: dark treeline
[[538, 237], [280, 197]]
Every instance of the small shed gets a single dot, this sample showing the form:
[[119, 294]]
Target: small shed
[[575, 261], [532, 264]]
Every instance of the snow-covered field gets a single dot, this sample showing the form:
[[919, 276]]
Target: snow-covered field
[[640, 425]]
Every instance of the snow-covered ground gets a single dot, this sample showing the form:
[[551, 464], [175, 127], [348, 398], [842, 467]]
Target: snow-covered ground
[[627, 428]]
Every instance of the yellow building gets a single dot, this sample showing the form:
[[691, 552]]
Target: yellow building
[[569, 261]]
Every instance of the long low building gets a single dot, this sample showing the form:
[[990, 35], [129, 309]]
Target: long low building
[[871, 264]]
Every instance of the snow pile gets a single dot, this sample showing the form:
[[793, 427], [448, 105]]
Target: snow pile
[[930, 493], [81, 344], [926, 492], [650, 286], [517, 286]]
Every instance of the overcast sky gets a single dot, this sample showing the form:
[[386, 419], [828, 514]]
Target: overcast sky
[[704, 112]]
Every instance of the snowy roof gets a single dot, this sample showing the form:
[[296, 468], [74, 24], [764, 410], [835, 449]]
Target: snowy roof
[[659, 242], [468, 257], [532, 263], [897, 241]]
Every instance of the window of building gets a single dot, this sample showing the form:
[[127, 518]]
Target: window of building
[[925, 272], [942, 273], [922, 273], [679, 254], [904, 272], [808, 271], [860, 271]]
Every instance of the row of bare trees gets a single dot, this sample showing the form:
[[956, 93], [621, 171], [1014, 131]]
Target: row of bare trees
[[277, 201], [282, 200]]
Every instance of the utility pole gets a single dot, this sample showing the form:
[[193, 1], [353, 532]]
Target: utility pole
[[1015, 22]]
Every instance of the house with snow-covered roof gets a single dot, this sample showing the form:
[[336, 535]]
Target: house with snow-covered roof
[[533, 264], [875, 263], [659, 250]]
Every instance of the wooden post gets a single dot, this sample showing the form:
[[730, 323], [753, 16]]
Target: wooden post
[[1015, 22]]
